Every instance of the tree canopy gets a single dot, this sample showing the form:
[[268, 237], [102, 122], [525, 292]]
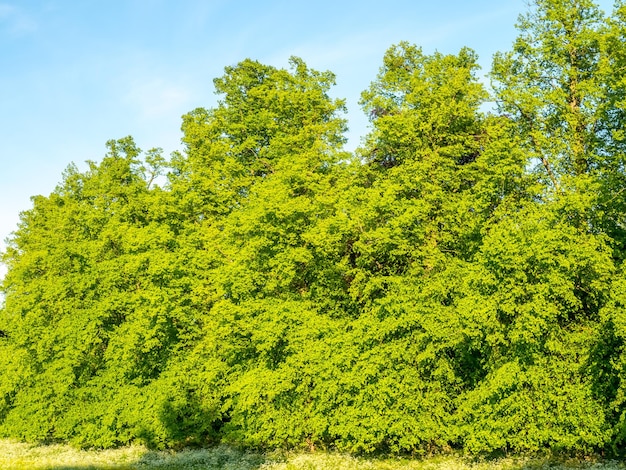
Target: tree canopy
[[458, 282]]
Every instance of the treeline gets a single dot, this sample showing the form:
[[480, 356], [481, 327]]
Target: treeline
[[456, 283]]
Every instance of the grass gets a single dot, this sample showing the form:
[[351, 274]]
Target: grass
[[20, 456]]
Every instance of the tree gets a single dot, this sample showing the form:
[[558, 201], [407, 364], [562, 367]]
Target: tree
[[92, 302], [550, 85], [264, 167], [562, 84], [265, 114], [537, 288], [547, 259], [434, 169]]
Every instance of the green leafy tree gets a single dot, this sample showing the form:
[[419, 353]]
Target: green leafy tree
[[539, 283], [272, 151], [433, 170], [547, 259], [549, 84], [92, 309], [562, 84]]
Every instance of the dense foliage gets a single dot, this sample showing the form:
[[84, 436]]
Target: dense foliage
[[458, 282]]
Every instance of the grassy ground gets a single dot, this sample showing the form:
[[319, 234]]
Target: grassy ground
[[18, 456]]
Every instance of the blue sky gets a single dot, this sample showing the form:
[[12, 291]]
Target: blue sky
[[74, 74]]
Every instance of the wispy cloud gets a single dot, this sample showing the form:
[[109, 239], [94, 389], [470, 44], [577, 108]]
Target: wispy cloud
[[15, 21], [155, 98]]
